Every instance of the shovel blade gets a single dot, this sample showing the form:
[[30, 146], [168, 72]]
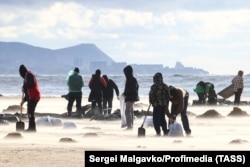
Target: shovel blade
[[141, 132], [19, 126]]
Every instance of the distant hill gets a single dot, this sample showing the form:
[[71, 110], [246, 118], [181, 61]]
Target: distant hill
[[85, 56], [47, 61]]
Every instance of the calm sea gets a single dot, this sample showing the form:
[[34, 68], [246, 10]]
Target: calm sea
[[55, 85]]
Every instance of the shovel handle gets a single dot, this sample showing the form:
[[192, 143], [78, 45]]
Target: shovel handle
[[21, 106], [145, 115]]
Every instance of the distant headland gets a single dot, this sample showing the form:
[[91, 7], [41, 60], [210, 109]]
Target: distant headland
[[86, 56]]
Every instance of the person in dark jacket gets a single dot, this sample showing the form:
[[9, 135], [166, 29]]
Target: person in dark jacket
[[179, 99], [159, 98], [75, 84], [211, 95], [131, 95], [96, 85], [32, 95], [200, 89], [108, 94]]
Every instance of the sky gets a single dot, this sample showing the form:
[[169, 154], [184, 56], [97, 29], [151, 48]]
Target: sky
[[210, 34]]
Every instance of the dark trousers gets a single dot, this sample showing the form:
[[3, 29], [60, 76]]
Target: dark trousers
[[31, 106], [74, 96], [237, 96], [107, 101], [159, 120], [184, 118], [201, 97], [93, 105]]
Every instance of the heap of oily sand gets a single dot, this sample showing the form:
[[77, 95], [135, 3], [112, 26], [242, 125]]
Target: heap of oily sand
[[67, 140], [210, 114], [14, 135], [12, 108], [238, 141], [237, 112]]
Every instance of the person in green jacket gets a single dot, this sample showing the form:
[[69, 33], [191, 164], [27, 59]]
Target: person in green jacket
[[205, 90], [75, 84], [200, 89]]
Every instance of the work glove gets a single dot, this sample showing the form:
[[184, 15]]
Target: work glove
[[172, 118]]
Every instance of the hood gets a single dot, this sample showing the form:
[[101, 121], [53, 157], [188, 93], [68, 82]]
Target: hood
[[98, 72], [202, 84], [158, 79], [128, 71], [106, 78], [22, 70]]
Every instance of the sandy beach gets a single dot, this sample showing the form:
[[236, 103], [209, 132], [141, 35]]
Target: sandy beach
[[45, 147]]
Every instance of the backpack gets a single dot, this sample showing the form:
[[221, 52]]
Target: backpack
[[96, 85]]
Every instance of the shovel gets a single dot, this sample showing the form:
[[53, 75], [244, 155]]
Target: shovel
[[20, 124], [141, 130]]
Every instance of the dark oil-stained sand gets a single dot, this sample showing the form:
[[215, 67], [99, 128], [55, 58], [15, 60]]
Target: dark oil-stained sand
[[13, 135], [210, 114], [237, 112]]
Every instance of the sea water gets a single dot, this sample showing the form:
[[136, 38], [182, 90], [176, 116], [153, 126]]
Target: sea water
[[55, 85]]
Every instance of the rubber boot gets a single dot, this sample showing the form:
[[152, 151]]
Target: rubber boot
[[105, 111], [69, 113], [32, 125], [109, 111]]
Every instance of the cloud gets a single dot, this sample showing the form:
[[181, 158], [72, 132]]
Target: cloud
[[177, 29], [7, 32], [139, 45], [166, 19], [6, 17], [79, 21], [118, 18], [214, 24], [52, 20], [141, 56]]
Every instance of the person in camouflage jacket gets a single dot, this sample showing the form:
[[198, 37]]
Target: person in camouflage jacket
[[159, 98]]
